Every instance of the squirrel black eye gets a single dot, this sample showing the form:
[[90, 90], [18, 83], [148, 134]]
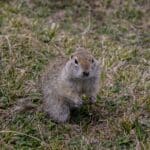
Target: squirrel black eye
[[76, 62], [92, 60]]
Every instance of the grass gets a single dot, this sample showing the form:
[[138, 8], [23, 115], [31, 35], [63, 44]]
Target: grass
[[32, 32]]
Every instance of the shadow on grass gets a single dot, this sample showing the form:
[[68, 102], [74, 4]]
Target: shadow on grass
[[96, 113], [88, 114]]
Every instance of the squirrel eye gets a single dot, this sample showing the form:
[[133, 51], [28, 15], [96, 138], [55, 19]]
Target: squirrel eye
[[76, 62], [92, 60]]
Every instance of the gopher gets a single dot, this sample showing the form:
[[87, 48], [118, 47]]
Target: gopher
[[65, 81]]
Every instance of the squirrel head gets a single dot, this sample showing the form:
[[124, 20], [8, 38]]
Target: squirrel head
[[82, 65]]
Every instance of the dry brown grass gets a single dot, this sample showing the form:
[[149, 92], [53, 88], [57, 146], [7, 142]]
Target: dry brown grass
[[116, 32]]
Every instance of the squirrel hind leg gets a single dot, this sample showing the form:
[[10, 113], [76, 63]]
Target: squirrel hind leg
[[61, 113]]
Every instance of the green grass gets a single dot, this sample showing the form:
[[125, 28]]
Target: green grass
[[32, 32]]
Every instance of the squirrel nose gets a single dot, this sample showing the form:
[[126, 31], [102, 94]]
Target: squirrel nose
[[86, 74]]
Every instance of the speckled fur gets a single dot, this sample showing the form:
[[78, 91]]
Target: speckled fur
[[63, 85]]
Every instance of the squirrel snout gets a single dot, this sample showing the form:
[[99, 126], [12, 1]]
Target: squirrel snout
[[86, 73]]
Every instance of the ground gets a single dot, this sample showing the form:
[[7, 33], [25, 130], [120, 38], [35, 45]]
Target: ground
[[32, 32]]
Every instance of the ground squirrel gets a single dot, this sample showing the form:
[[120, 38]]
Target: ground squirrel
[[64, 81]]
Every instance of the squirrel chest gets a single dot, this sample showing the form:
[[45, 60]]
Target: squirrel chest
[[83, 86]]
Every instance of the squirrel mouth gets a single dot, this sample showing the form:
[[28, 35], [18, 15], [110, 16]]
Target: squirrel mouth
[[85, 77]]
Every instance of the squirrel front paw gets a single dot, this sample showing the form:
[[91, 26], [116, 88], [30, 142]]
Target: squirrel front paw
[[92, 99], [78, 103]]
